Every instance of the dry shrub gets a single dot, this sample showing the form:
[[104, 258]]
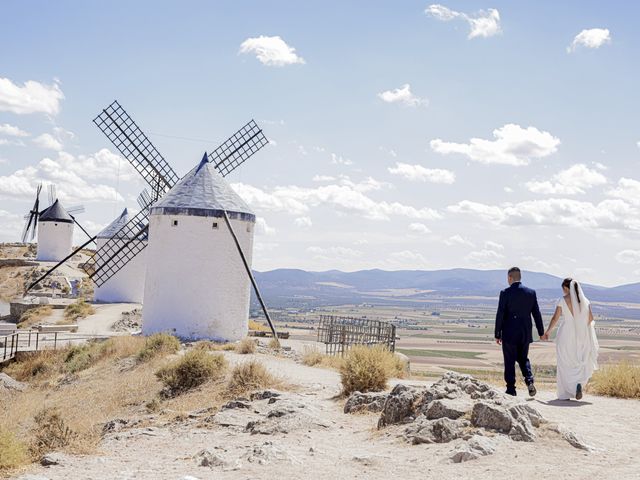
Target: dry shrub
[[209, 346], [13, 452], [159, 344], [620, 380], [51, 432], [366, 369], [192, 370], [274, 344], [246, 345], [258, 327], [248, 376], [79, 309], [311, 356], [33, 316], [36, 365]]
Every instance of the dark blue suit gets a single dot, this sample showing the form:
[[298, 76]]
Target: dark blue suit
[[513, 326]]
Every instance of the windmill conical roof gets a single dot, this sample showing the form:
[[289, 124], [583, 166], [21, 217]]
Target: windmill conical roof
[[111, 230], [55, 213], [203, 193]]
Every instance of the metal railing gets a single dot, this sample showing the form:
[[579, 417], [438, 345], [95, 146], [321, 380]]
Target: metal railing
[[341, 333], [36, 341]]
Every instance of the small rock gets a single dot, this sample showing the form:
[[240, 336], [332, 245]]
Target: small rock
[[114, 425], [205, 458], [573, 439], [490, 416], [53, 458], [365, 402], [235, 404], [442, 430], [264, 395], [522, 430], [8, 383], [476, 447], [447, 408], [523, 410]]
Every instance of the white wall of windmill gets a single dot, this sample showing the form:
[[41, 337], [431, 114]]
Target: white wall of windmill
[[127, 285], [55, 240], [196, 285]]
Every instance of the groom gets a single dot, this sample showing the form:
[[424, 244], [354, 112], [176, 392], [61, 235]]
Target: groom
[[513, 329]]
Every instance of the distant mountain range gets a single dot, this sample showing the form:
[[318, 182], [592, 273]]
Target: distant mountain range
[[291, 287]]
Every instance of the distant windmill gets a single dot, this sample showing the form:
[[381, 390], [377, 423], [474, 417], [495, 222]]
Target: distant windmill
[[54, 226], [115, 253]]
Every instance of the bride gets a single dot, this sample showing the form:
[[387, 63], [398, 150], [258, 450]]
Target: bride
[[576, 342]]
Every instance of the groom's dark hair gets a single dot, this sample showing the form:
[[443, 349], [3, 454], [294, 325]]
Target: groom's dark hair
[[515, 274]]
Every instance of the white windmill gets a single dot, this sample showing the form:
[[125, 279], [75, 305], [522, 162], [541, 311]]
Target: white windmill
[[54, 226], [179, 257], [127, 285]]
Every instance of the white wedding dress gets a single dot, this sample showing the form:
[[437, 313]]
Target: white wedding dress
[[576, 344]]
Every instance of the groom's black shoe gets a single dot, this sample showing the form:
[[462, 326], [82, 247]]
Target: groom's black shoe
[[532, 390], [511, 391], [579, 392]]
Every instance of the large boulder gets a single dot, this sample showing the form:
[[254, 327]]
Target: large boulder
[[365, 402], [491, 416], [447, 408], [442, 430], [399, 407]]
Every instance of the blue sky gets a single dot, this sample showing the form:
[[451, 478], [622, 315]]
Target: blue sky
[[350, 181]]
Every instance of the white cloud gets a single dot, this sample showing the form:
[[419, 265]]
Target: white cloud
[[609, 214], [628, 190], [73, 177], [458, 240], [406, 259], [419, 173], [403, 96], [346, 198], [419, 228], [32, 97], [340, 160], [303, 222], [262, 228], [512, 145], [271, 51], [574, 180], [12, 131], [48, 142], [630, 257], [12, 226], [323, 178], [488, 257], [481, 24], [591, 38], [334, 253]]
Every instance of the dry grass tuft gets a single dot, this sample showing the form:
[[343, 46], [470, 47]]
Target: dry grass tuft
[[258, 327], [34, 316], [192, 370], [35, 365], [209, 346], [366, 369], [621, 380], [248, 376], [311, 356], [13, 452], [246, 345], [159, 344], [79, 309], [51, 432], [274, 344]]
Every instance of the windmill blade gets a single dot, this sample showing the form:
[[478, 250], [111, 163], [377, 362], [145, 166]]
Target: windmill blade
[[52, 193], [25, 230], [114, 255], [238, 148], [78, 224], [144, 199], [134, 145], [75, 210], [32, 217]]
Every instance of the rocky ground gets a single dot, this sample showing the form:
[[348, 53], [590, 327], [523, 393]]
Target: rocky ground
[[457, 427]]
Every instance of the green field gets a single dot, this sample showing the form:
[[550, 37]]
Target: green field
[[419, 352]]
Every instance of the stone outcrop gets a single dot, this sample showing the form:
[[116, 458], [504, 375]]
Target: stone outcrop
[[365, 402]]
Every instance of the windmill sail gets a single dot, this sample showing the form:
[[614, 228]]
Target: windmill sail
[[238, 148], [29, 230]]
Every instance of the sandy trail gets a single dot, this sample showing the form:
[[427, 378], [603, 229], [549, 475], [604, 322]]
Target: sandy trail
[[106, 315], [351, 447]]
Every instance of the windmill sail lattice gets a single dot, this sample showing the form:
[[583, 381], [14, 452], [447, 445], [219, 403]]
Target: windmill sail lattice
[[134, 145]]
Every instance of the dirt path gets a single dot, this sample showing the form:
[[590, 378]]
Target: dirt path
[[335, 445], [106, 315]]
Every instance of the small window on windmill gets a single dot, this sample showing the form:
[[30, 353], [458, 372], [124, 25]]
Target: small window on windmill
[[174, 223], [214, 225]]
